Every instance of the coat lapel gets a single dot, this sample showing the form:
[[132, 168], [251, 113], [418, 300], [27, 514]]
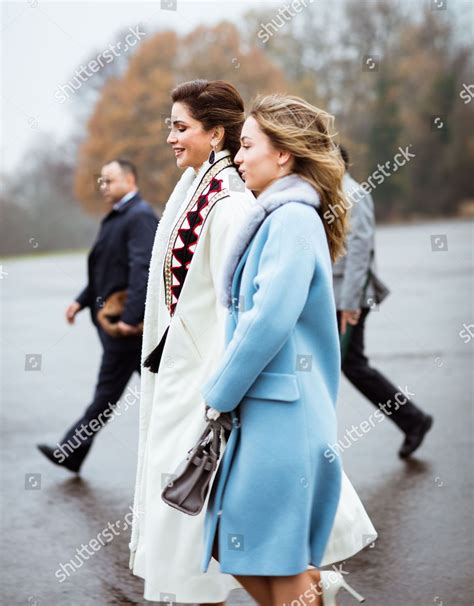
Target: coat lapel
[[237, 305]]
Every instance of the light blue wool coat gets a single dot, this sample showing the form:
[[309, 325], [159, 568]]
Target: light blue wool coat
[[275, 494]]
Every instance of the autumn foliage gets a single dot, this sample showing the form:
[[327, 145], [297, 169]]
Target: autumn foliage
[[130, 117]]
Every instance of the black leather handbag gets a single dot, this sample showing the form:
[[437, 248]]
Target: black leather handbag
[[188, 490]]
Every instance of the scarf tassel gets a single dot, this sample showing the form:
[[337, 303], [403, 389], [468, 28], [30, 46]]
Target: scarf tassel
[[152, 361]]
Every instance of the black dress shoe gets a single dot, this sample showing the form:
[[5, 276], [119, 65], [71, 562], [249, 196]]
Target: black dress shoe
[[49, 454], [414, 439]]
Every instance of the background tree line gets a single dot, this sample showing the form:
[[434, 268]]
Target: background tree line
[[391, 73]]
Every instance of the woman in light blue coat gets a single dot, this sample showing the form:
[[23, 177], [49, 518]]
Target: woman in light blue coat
[[280, 503]]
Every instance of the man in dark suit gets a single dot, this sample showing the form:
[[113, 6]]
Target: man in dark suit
[[118, 261]]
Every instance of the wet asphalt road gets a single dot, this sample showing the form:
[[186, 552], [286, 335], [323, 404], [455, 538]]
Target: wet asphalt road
[[422, 509]]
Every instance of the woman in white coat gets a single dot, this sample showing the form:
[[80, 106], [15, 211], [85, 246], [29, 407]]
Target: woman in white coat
[[279, 503], [184, 336]]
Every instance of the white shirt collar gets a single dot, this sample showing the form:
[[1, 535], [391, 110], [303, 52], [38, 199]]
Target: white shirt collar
[[118, 205]]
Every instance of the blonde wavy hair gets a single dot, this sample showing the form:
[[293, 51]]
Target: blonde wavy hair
[[295, 126]]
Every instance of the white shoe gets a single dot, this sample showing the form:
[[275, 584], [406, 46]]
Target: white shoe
[[331, 582]]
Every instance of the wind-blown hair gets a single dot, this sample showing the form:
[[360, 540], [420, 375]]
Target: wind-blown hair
[[295, 126]]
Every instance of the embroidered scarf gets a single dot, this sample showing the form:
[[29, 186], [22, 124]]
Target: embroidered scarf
[[185, 235], [175, 243]]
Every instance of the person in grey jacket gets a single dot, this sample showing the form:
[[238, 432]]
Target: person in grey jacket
[[357, 290]]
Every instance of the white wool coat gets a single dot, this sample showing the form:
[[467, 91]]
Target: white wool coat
[[167, 546]]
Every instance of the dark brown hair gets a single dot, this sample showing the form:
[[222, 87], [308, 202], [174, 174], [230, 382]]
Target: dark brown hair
[[214, 103]]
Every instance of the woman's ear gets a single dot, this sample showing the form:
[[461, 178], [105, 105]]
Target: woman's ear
[[284, 159], [218, 136]]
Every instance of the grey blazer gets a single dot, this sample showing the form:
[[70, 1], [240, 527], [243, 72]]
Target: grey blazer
[[350, 272]]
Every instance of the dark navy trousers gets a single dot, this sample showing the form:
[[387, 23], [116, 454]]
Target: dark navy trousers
[[116, 368]]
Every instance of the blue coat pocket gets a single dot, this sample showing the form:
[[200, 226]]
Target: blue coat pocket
[[275, 386]]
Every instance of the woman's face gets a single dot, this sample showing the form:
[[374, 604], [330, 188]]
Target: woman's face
[[190, 142], [258, 161]]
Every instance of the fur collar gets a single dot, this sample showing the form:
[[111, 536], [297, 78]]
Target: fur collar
[[291, 188]]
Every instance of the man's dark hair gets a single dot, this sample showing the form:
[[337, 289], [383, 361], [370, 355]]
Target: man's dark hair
[[345, 156], [127, 166]]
